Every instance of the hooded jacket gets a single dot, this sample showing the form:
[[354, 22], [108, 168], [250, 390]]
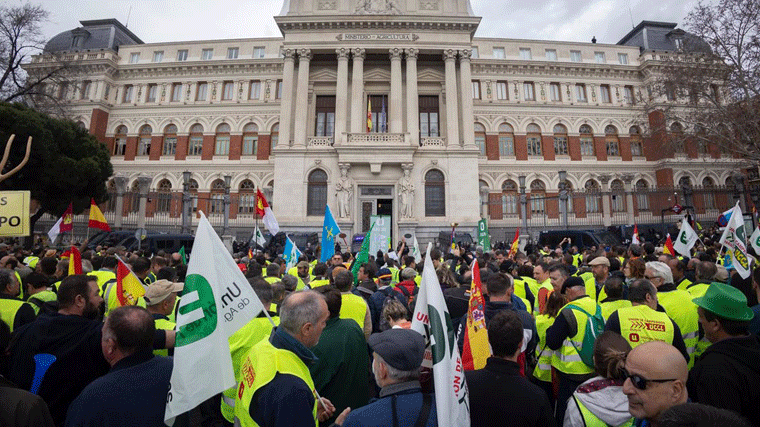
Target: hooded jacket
[[727, 376], [604, 398]]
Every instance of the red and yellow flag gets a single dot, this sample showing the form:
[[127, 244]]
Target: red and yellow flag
[[75, 261], [515, 245], [67, 220], [128, 286], [369, 115], [97, 220], [668, 248], [476, 349]]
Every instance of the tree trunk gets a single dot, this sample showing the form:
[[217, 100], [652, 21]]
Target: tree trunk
[[29, 240]]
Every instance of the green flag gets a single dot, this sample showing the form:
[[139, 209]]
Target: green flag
[[363, 255], [484, 239], [182, 256]]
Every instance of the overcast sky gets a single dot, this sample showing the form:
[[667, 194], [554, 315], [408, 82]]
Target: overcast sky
[[157, 21]]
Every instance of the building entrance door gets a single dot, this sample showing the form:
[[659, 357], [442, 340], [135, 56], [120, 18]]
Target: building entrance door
[[375, 200]]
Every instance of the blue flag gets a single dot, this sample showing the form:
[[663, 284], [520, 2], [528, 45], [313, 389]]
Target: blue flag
[[290, 254], [330, 231], [383, 119]]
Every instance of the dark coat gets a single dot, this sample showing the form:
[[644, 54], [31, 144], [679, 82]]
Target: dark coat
[[20, 408], [408, 397]]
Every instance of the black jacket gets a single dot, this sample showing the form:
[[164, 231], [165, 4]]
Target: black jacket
[[500, 396], [727, 376]]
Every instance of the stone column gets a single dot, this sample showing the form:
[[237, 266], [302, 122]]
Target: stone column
[[523, 208], [121, 187], [187, 202], [395, 107], [606, 208], [412, 98], [226, 201], [357, 92], [563, 205], [302, 98], [628, 181], [465, 77], [452, 112], [286, 103], [143, 185], [341, 95]]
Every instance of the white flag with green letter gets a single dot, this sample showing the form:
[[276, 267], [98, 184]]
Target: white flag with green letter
[[734, 238], [216, 301], [686, 239], [754, 240], [432, 320]]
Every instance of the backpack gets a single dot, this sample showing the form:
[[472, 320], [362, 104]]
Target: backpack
[[594, 328], [46, 307]]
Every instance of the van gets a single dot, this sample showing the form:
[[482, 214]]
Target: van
[[583, 239], [461, 238], [152, 243]]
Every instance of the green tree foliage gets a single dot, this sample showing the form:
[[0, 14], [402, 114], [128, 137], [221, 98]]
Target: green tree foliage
[[67, 164]]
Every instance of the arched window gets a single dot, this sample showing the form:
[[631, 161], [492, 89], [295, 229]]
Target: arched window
[[143, 144], [164, 196], [592, 196], [317, 193], [708, 187], [701, 140], [480, 138], [509, 197], [679, 142], [195, 141], [193, 189], [217, 197], [484, 190], [684, 181], [642, 195], [435, 193], [533, 139], [506, 140], [537, 197], [120, 141], [587, 141], [275, 135], [618, 196], [170, 140], [560, 140], [250, 139], [613, 143], [222, 140], [246, 197], [637, 148]]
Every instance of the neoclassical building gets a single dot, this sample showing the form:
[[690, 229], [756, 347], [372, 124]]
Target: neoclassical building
[[386, 107]]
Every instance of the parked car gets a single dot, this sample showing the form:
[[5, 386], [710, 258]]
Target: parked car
[[110, 238], [152, 243], [461, 238], [581, 238]]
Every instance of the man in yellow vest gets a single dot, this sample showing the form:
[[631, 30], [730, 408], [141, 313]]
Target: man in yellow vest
[[678, 268], [320, 275], [40, 298], [642, 322], [677, 303], [273, 273], [614, 299], [245, 338], [705, 272], [600, 268], [566, 336], [13, 311], [107, 272], [276, 388], [541, 274], [159, 301], [353, 306]]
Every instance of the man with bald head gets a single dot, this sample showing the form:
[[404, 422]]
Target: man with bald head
[[657, 374]]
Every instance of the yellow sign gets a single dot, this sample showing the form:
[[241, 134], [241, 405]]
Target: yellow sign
[[14, 213]]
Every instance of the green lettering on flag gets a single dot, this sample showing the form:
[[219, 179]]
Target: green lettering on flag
[[205, 325], [484, 239]]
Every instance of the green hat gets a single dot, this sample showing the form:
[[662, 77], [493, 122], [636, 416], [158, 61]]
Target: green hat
[[725, 301]]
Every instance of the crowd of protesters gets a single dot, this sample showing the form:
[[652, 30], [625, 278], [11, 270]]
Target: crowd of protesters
[[679, 346]]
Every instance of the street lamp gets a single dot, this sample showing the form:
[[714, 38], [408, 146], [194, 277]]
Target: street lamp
[[523, 203], [226, 201], [186, 200]]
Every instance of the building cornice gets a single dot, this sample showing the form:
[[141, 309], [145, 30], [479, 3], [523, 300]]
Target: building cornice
[[384, 22]]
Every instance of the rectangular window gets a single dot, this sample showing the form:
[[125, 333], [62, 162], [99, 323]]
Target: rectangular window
[[613, 148], [679, 43], [628, 94], [480, 141], [379, 113], [604, 90], [428, 106], [128, 93], [529, 92], [222, 145], [134, 57], [232, 52], [670, 91], [86, 86], [325, 108], [502, 91], [623, 58], [506, 145], [587, 146], [152, 91], [258, 52], [202, 91], [575, 56], [636, 148], [120, 146], [158, 56], [278, 94], [228, 89], [63, 90], [195, 145], [498, 53], [475, 52], [599, 56], [556, 92], [182, 55], [560, 145], [534, 145], [207, 54], [170, 145], [476, 89], [143, 146], [580, 92], [551, 54], [254, 91], [176, 92], [525, 54], [250, 143]]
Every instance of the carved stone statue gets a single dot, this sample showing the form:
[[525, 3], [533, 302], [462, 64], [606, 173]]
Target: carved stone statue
[[377, 7], [344, 190], [407, 194]]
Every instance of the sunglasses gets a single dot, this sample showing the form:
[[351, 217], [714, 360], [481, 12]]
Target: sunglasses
[[641, 383]]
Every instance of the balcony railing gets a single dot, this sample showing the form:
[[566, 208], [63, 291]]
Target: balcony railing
[[320, 141], [377, 139], [433, 142]]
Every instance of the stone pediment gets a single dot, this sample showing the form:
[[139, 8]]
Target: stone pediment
[[324, 74], [377, 74]]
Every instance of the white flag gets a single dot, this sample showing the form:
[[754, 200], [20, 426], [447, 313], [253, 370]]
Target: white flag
[[416, 251], [258, 237], [686, 239], [55, 230], [754, 240], [290, 254], [216, 302], [734, 238], [432, 320]]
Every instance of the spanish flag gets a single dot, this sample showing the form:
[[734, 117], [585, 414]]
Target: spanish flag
[[128, 286], [476, 348], [97, 220], [369, 115], [515, 245], [75, 261], [668, 248]]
